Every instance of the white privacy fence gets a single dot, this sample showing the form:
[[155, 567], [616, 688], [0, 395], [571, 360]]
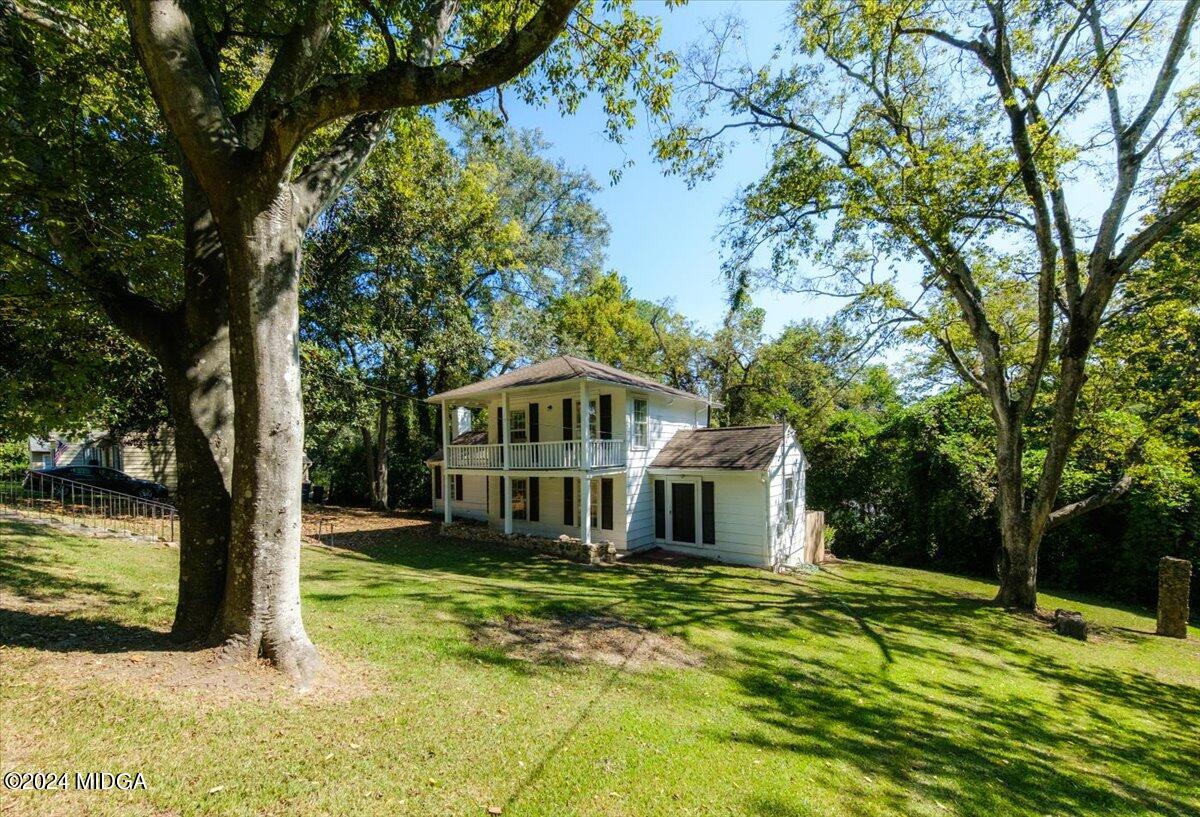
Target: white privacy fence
[[565, 454]]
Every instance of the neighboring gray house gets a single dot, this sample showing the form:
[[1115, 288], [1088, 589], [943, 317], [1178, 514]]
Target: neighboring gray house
[[568, 434], [143, 455]]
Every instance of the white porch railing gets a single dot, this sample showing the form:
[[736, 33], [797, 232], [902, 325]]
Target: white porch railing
[[566, 454], [562, 455], [475, 456], [607, 453]]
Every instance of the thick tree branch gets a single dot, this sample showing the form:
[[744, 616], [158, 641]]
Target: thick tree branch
[[408, 84], [165, 42], [292, 68], [1144, 240], [1077, 509], [318, 183], [47, 17], [1129, 158], [322, 179], [1166, 72]]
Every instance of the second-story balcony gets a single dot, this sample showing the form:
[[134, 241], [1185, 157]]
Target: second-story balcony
[[562, 455]]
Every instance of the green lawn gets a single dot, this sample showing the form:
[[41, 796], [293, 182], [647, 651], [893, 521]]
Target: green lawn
[[859, 691]]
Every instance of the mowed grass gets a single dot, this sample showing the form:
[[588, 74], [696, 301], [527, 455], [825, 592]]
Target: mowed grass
[[863, 690]]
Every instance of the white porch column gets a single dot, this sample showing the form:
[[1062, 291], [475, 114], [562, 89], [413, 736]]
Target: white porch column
[[585, 481], [506, 480], [447, 513]]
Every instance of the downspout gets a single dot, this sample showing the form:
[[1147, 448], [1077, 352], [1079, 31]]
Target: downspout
[[770, 536]]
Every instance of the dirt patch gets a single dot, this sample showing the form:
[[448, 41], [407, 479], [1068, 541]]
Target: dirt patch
[[204, 679], [356, 528], [577, 639], [49, 641]]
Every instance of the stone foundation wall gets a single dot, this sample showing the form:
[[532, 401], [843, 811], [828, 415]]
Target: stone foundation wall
[[568, 548]]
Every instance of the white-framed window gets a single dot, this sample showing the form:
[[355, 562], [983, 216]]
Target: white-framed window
[[520, 499], [517, 429], [594, 501], [789, 498], [593, 421], [641, 423]]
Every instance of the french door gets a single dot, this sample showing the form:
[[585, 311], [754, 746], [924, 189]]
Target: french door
[[678, 520]]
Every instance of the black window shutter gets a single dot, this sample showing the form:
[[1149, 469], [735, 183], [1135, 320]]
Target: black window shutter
[[458, 487], [568, 417], [606, 504], [708, 516], [500, 439], [660, 509], [533, 422], [535, 503], [568, 500], [437, 482], [606, 417]]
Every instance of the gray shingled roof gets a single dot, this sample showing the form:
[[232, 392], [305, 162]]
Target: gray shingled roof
[[466, 438], [738, 448], [558, 369]]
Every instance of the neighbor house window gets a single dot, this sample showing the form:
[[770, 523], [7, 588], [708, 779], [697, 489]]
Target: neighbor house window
[[520, 498], [517, 429], [641, 424]]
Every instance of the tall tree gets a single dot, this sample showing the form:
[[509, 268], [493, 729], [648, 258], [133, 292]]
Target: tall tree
[[99, 215], [950, 137], [273, 107]]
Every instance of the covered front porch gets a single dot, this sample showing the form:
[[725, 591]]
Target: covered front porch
[[547, 453]]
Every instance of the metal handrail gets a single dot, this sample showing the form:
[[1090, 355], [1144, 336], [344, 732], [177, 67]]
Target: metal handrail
[[71, 501]]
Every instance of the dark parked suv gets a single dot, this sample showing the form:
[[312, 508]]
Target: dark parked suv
[[108, 478]]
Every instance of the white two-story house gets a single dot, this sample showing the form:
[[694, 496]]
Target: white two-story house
[[579, 448]]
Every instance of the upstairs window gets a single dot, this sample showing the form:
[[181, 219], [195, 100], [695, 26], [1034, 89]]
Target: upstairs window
[[593, 420], [517, 429], [641, 423]]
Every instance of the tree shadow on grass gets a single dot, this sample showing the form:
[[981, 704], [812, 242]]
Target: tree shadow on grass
[[55, 632], [964, 705], [46, 610]]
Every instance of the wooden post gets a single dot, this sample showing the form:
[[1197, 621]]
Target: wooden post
[[585, 482], [1174, 587], [447, 512], [814, 537], [506, 481]]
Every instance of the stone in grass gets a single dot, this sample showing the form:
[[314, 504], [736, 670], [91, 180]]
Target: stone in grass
[[1174, 587], [1071, 624]]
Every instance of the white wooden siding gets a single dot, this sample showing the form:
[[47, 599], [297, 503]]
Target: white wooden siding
[[666, 416], [473, 505], [739, 517], [787, 538], [550, 511]]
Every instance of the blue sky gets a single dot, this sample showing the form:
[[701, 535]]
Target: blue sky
[[664, 236]]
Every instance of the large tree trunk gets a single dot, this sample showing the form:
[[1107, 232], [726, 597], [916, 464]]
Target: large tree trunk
[[200, 397], [375, 450], [203, 447], [1017, 566], [261, 613]]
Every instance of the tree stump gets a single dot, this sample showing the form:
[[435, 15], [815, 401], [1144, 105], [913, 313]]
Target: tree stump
[[1071, 624], [1174, 587]]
